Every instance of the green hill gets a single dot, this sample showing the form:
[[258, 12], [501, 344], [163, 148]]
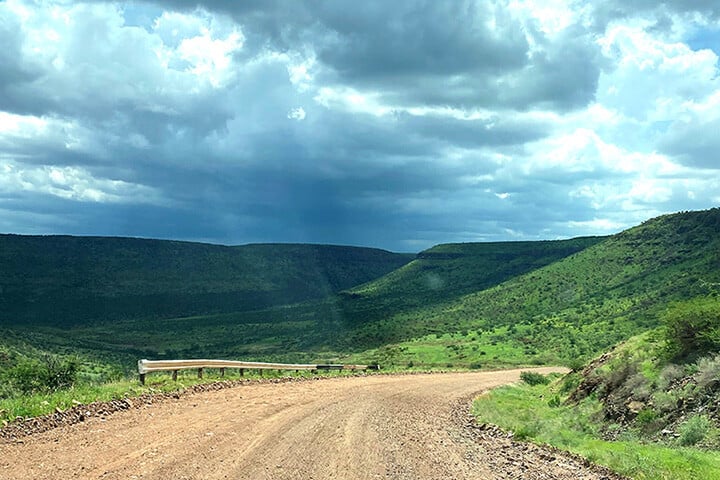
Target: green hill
[[447, 271], [570, 309], [64, 281]]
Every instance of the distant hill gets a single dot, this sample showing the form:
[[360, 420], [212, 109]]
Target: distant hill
[[64, 280]]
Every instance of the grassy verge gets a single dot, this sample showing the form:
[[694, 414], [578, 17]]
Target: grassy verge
[[536, 413]]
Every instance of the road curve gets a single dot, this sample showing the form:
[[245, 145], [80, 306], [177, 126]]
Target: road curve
[[382, 426]]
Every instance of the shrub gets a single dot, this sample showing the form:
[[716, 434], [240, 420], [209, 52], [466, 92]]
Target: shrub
[[575, 364], [570, 382], [694, 430], [527, 432], [669, 375], [636, 387], [61, 372], [692, 328], [648, 421], [47, 374], [533, 378], [616, 378], [28, 376], [666, 402], [708, 374]]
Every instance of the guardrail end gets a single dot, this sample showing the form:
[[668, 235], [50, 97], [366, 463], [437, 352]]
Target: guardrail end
[[141, 366]]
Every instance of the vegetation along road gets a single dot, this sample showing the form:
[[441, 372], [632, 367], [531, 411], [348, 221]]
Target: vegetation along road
[[394, 426]]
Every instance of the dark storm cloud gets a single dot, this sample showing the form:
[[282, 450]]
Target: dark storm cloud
[[464, 54], [423, 61], [494, 131], [399, 39], [411, 55], [14, 71]]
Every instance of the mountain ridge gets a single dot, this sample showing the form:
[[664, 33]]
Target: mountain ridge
[[116, 277]]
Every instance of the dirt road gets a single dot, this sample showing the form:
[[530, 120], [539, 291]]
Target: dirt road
[[398, 427]]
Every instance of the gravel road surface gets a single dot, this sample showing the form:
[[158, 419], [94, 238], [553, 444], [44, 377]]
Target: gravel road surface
[[378, 426]]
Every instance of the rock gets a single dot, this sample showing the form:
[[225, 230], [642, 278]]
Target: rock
[[635, 407]]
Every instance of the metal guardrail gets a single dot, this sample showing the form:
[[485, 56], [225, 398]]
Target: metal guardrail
[[147, 366]]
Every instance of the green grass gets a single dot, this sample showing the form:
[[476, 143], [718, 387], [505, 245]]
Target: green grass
[[527, 411], [467, 349]]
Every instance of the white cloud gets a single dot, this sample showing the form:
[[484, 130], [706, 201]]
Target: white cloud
[[597, 225], [649, 78], [23, 135], [70, 183], [351, 100], [296, 114], [583, 151]]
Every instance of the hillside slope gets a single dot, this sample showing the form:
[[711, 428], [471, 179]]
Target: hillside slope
[[572, 308], [62, 280], [451, 270]]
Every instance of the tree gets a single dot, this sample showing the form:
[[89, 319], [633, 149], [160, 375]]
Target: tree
[[692, 327]]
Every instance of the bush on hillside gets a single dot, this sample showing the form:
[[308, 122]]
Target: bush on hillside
[[692, 328], [708, 374], [533, 378], [47, 374], [694, 430], [668, 375]]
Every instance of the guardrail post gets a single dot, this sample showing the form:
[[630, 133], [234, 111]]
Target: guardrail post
[[141, 371], [260, 372], [200, 372], [242, 372], [174, 375], [222, 372]]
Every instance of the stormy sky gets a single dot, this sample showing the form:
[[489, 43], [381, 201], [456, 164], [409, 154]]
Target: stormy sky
[[396, 124]]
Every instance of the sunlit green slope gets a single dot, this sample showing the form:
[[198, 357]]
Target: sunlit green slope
[[570, 309]]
